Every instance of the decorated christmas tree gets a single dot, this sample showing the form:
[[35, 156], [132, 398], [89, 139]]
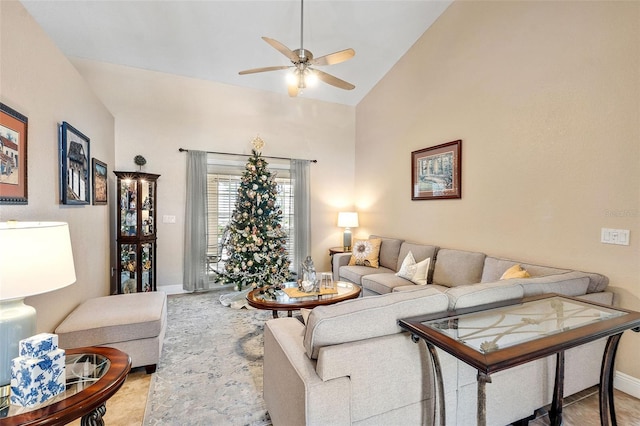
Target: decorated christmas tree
[[256, 245]]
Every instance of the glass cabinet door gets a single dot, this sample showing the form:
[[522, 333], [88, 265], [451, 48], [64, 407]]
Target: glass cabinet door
[[128, 268], [136, 235], [148, 256], [128, 207], [147, 209]]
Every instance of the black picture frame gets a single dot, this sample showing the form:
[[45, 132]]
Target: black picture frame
[[99, 180], [13, 156], [436, 172], [74, 166]]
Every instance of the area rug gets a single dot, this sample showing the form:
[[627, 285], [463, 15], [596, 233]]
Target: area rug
[[210, 371]]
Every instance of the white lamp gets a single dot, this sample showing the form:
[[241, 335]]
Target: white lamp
[[35, 258], [347, 220]]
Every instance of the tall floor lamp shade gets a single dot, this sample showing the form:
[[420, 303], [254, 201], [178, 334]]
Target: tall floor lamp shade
[[347, 220], [35, 258]]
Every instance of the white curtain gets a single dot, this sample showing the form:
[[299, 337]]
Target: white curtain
[[195, 235], [302, 216]]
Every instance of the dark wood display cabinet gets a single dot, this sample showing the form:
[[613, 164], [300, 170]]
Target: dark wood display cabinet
[[136, 234]]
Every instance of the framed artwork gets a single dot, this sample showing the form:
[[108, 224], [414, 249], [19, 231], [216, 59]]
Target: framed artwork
[[13, 156], [74, 166], [436, 172], [99, 179]]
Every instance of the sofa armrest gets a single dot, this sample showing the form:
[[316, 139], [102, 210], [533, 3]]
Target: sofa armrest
[[338, 260], [386, 373], [293, 392]]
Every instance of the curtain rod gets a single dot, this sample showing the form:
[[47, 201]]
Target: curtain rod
[[247, 155]]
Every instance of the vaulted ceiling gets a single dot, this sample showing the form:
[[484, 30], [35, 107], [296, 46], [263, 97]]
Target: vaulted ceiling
[[214, 40]]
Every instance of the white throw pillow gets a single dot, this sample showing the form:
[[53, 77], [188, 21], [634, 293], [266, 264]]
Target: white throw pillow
[[414, 272]]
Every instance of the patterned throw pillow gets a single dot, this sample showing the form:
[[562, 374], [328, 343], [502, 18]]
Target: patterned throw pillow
[[366, 253], [414, 272], [516, 271]]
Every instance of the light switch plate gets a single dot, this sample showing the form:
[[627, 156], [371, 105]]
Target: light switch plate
[[615, 236]]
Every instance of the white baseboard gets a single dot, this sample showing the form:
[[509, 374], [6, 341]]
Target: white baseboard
[[171, 289], [177, 289], [627, 384]]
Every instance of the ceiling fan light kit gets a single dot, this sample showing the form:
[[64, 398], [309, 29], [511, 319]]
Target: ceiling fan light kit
[[302, 75]]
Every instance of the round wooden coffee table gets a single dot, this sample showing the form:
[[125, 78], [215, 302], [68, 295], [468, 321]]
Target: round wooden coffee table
[[257, 298], [94, 374]]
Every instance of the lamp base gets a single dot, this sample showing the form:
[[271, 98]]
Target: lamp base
[[346, 240], [17, 322]]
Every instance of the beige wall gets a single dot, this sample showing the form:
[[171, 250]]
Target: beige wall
[[546, 98], [38, 81], [158, 113]]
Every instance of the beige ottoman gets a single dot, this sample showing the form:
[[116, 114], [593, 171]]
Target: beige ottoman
[[135, 323]]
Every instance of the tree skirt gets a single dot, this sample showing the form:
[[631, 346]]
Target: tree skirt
[[210, 371], [236, 300]]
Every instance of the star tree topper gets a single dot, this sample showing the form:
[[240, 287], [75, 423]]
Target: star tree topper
[[257, 143]]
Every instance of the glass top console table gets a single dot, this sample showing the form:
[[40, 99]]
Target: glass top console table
[[496, 337], [93, 375]]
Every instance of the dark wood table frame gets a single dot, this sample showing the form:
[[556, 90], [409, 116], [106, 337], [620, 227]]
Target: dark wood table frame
[[555, 344], [253, 298], [89, 403]]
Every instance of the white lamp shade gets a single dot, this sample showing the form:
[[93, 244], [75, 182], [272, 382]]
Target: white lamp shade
[[348, 220], [35, 258]]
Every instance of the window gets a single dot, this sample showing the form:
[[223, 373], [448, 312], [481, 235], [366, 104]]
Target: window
[[223, 181]]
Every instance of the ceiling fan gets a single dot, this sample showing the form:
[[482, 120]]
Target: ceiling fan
[[302, 72]]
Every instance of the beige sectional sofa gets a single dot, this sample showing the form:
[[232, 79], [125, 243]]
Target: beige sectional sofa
[[352, 364]]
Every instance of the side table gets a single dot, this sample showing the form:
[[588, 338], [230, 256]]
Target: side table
[[93, 374], [496, 337], [335, 250]]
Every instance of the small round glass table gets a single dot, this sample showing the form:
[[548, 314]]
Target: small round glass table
[[93, 375], [290, 299]]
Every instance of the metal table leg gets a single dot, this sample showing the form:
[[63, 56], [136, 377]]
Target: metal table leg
[[555, 414], [437, 370], [481, 416], [607, 408]]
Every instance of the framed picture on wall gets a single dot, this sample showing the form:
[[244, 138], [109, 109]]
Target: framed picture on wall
[[436, 172], [13, 156], [99, 179], [74, 166]]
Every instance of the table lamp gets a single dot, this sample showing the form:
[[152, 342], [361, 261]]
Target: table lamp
[[347, 220], [35, 258]]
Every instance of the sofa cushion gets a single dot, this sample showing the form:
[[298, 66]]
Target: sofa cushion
[[366, 253], [389, 249], [480, 294], [354, 274], [420, 252], [368, 317], [494, 267], [384, 283], [573, 283], [457, 267], [111, 319]]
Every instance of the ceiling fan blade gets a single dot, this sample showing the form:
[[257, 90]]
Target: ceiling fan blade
[[282, 49], [334, 58], [265, 69], [334, 81]]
